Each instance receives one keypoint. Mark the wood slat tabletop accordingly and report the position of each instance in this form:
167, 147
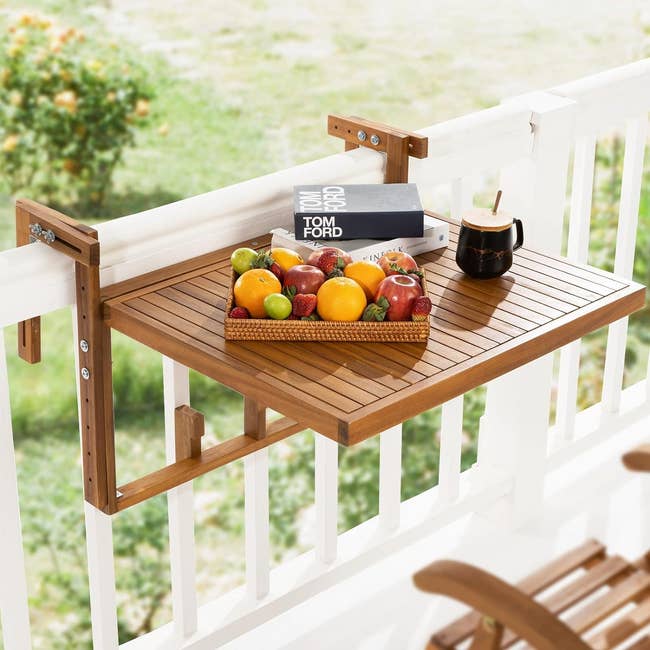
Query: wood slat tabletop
480, 329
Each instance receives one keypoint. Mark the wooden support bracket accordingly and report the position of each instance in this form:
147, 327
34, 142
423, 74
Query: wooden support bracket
190, 428
36, 222
398, 145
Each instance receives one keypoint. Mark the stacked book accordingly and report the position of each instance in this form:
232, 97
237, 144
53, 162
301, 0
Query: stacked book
365, 221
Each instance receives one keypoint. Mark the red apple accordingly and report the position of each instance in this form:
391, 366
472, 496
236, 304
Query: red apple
315, 256
401, 292
393, 261
305, 278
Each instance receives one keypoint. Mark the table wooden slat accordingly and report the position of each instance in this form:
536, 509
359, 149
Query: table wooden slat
351, 391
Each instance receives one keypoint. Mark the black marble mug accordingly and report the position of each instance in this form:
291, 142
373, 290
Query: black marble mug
487, 253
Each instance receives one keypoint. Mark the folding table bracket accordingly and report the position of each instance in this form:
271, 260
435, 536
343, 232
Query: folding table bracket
398, 145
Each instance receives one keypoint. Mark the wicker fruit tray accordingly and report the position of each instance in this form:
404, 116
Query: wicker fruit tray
266, 329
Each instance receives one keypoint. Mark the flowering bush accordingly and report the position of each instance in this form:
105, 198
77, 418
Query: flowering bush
65, 114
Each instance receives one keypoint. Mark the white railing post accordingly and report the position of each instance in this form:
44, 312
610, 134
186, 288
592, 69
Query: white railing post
451, 445
101, 578
256, 498
390, 477
180, 509
99, 551
577, 251
326, 491
451, 424
14, 607
635, 139
647, 381
514, 429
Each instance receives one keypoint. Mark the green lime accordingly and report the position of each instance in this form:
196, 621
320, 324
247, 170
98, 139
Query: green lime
277, 306
242, 259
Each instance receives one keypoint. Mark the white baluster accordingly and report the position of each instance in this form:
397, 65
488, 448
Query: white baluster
514, 429
635, 139
99, 551
256, 492
647, 380
390, 477
451, 425
451, 441
14, 609
180, 509
326, 481
577, 251
101, 578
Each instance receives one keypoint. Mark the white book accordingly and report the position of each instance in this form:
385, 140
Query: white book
436, 235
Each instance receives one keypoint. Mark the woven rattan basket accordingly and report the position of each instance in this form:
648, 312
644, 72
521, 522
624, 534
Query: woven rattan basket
266, 329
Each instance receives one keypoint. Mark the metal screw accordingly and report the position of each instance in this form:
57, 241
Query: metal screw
85, 373
49, 236
374, 139
83, 344
361, 135
35, 229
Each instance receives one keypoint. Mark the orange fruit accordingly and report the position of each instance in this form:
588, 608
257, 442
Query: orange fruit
252, 287
341, 299
367, 274
286, 258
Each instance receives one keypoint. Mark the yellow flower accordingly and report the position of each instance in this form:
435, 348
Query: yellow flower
27, 20
41, 99
19, 37
5, 73
110, 96
46, 76
81, 37
55, 45
142, 107
163, 129
45, 23
10, 143
16, 98
66, 75
13, 50
66, 99
94, 65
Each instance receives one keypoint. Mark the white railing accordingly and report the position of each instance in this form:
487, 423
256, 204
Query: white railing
528, 141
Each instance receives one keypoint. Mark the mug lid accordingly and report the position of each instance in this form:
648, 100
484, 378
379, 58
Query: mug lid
485, 219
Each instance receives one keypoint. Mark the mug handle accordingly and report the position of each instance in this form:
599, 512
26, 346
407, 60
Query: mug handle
520, 234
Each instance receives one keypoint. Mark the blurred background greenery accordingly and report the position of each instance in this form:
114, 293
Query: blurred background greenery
149, 102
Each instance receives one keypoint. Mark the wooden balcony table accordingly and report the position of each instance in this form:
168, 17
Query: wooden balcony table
480, 329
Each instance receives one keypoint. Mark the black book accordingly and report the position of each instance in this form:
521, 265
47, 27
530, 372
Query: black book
334, 212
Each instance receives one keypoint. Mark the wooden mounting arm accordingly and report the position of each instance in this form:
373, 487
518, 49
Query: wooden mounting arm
638, 460
506, 605
398, 145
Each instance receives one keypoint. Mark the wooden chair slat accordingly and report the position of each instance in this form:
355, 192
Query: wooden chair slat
623, 628
586, 553
624, 592
578, 589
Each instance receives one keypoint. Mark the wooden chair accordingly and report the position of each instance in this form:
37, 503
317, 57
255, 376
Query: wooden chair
530, 611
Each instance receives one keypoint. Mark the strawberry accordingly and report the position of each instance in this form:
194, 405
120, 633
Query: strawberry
239, 312
376, 311
331, 264
304, 304
277, 271
421, 308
